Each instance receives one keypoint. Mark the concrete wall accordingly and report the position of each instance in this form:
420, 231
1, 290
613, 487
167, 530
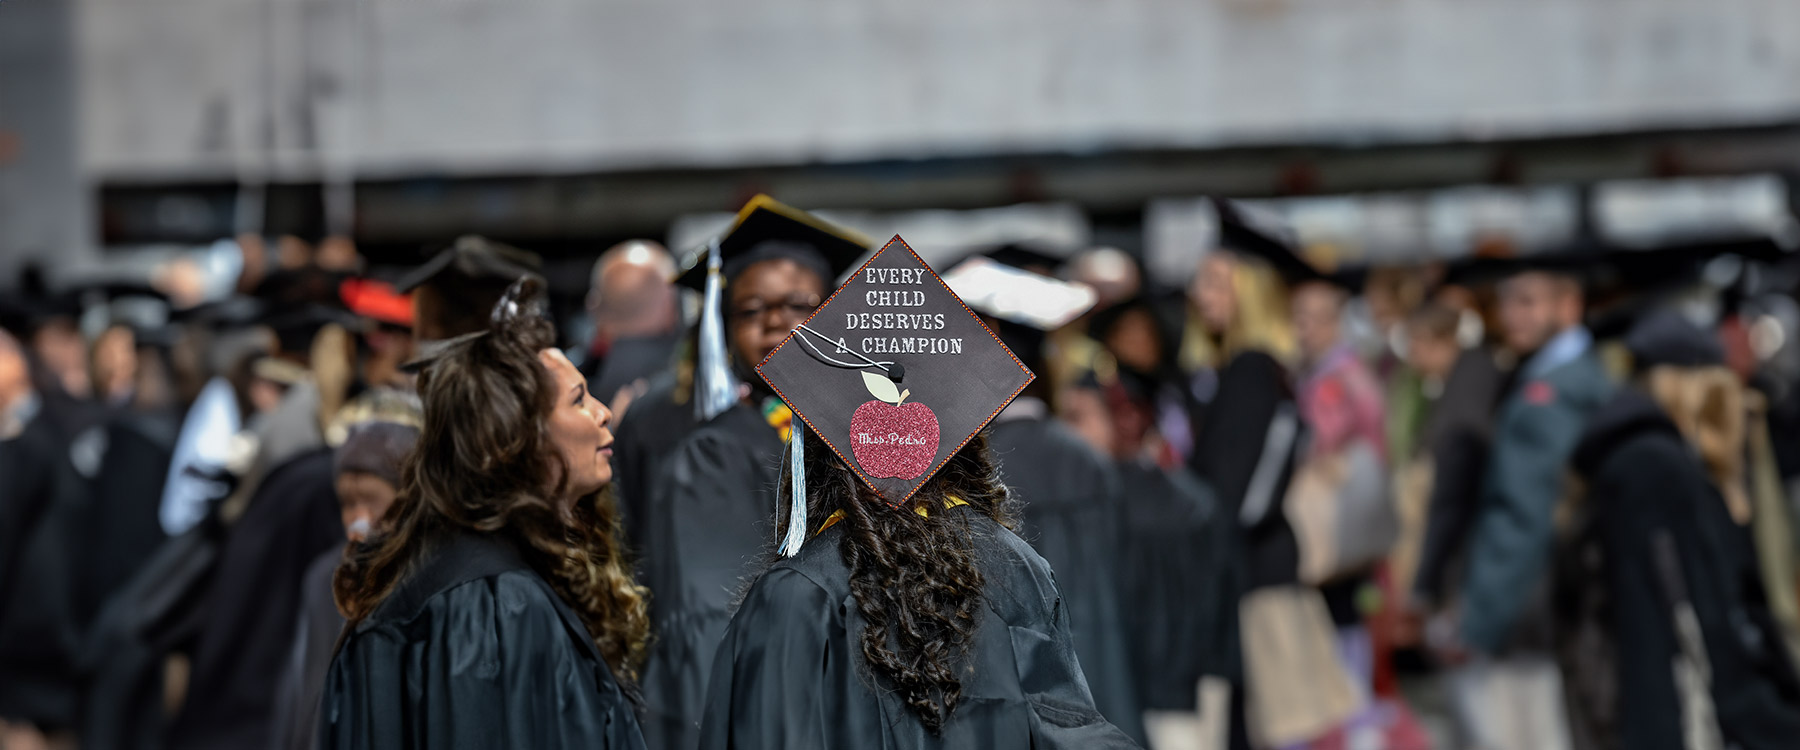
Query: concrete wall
301, 88
44, 208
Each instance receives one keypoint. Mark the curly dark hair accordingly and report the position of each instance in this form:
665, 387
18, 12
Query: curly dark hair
915, 578
480, 464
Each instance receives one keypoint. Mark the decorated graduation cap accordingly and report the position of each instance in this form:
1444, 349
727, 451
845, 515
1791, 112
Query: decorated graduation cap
895, 374
764, 229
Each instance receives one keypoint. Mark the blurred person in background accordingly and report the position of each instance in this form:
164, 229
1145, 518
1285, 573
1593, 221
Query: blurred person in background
707, 519
1348, 510
1115, 277
1070, 500
636, 311
1246, 442
1174, 569
493, 608
367, 467
281, 515
1440, 479
1667, 638
1508, 691
42, 505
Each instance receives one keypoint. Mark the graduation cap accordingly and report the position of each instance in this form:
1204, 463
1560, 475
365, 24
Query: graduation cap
453, 292
1248, 234
895, 374
33, 305
1024, 305
377, 301
473, 257
764, 229
298, 302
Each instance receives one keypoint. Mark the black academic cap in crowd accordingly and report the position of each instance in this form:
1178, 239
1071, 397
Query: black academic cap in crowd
1025, 305
1037, 256
1664, 336
298, 302
895, 373
474, 259
132, 302
765, 229
1619, 268
33, 304
1246, 233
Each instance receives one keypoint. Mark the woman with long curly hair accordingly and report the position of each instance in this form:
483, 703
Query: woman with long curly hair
913, 616
494, 609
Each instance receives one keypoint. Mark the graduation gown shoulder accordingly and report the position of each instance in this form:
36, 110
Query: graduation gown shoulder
475, 650
790, 672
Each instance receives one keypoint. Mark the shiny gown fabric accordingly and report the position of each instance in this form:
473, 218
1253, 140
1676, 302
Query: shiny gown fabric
475, 650
790, 673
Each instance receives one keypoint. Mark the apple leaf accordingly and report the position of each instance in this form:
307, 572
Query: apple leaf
881, 388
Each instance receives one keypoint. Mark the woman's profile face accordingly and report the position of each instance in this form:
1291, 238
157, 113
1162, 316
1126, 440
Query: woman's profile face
577, 427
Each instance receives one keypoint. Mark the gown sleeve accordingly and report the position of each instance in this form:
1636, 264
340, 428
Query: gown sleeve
769, 680
488, 664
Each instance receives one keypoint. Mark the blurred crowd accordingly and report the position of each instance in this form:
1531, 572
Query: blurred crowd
1549, 493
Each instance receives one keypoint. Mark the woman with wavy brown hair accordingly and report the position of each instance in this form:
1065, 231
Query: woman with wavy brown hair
494, 610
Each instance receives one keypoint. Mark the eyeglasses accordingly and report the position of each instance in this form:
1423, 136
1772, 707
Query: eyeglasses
795, 307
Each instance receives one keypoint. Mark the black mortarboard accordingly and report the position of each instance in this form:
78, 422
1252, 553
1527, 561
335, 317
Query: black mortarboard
1029, 255
1618, 267
1245, 233
474, 259
766, 228
894, 373
298, 302
1666, 337
32, 305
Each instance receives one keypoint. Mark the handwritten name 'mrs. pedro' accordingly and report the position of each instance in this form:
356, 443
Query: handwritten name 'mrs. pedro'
892, 438
896, 294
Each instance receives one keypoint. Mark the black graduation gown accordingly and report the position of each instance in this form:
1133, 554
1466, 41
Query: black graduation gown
712, 522
630, 360
790, 674
42, 504
124, 522
1252, 387
252, 604
645, 438
297, 696
1070, 515
1665, 534
1175, 570
474, 650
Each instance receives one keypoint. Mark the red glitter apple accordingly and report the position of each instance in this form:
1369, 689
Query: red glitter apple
892, 439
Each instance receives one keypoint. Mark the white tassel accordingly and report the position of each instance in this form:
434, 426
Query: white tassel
715, 388
796, 530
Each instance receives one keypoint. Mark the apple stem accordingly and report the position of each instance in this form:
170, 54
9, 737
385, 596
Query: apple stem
903, 395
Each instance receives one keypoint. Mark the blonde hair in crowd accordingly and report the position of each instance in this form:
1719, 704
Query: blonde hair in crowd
1262, 321
1708, 405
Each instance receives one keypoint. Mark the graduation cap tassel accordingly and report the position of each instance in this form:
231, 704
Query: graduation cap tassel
715, 390
796, 530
